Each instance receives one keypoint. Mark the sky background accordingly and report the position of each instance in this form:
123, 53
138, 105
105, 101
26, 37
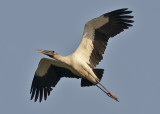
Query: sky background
131, 60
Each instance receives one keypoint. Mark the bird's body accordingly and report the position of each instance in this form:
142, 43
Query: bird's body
75, 64
80, 68
81, 63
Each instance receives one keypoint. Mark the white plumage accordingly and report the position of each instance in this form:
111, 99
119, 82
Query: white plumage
81, 63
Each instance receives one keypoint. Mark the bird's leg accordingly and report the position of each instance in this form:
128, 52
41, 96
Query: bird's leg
105, 90
109, 93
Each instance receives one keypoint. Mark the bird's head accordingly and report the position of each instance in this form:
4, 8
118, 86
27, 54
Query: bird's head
46, 52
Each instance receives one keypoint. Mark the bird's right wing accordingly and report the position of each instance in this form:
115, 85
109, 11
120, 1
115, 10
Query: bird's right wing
47, 76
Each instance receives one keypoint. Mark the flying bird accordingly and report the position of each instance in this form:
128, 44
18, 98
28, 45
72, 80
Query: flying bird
82, 63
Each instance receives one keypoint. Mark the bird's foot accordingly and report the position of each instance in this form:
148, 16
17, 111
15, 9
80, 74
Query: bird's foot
112, 96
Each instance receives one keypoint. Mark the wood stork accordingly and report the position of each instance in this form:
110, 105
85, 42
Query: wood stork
81, 64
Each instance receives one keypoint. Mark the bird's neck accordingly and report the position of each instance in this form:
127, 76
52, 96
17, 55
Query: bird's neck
60, 58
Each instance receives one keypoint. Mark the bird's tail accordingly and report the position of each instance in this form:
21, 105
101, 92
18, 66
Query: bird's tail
98, 73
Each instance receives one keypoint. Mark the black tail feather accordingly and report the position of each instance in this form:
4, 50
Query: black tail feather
98, 73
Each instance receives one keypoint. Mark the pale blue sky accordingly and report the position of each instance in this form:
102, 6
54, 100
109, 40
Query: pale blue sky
131, 60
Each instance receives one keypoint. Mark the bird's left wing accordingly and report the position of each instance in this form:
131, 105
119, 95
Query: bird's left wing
97, 33
47, 76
